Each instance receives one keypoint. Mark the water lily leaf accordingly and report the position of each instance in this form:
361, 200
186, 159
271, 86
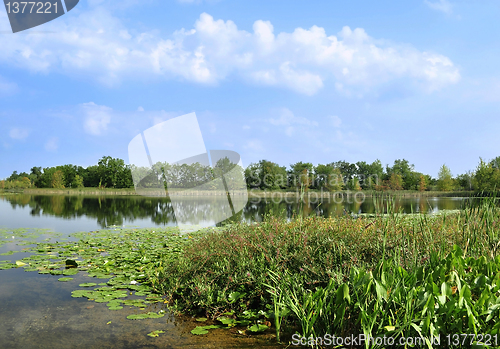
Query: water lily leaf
203, 329
79, 293
150, 315
227, 321
70, 272
7, 266
258, 328
88, 284
137, 316
8, 253
155, 333
64, 279
20, 264
118, 307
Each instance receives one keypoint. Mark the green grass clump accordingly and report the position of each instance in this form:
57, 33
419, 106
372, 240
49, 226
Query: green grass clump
388, 274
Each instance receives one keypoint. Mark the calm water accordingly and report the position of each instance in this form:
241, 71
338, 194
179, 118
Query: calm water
37, 311
67, 214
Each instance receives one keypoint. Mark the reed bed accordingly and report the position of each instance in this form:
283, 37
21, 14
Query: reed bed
394, 275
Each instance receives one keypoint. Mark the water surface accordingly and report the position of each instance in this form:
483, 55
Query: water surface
37, 311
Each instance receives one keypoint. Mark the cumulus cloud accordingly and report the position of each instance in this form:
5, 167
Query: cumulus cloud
96, 118
289, 121
19, 133
440, 5
97, 45
254, 145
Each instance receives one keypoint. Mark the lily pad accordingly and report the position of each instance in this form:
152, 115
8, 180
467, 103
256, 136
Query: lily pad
203, 329
64, 279
70, 272
258, 328
88, 284
155, 333
149, 315
118, 307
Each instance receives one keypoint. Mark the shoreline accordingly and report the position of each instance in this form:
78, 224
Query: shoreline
251, 193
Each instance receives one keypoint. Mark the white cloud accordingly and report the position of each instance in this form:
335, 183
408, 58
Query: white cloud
335, 121
140, 109
52, 144
287, 119
96, 45
440, 5
19, 133
97, 118
254, 144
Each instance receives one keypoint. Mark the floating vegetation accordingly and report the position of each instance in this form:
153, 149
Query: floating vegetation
122, 258
203, 329
155, 333
23, 236
148, 315
64, 279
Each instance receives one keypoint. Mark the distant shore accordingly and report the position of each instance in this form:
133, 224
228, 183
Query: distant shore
251, 193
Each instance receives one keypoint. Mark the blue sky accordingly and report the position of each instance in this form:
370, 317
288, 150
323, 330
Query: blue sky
286, 81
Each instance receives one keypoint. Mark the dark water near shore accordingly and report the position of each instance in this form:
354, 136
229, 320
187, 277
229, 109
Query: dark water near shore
68, 214
37, 311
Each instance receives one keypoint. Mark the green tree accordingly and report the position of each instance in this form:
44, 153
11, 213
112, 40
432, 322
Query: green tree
395, 181
335, 180
34, 176
445, 179
347, 169
13, 177
77, 182
406, 171
273, 176
370, 175
422, 184
487, 177
57, 180
321, 175
301, 175
266, 175
464, 181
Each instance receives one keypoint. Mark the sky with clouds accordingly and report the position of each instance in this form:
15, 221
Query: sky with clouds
286, 81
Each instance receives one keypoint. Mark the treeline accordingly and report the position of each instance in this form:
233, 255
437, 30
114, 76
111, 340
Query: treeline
266, 175
342, 175
108, 173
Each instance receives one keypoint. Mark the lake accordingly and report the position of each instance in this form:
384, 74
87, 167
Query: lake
38, 311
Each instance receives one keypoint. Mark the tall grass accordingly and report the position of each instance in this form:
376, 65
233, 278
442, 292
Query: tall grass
392, 274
